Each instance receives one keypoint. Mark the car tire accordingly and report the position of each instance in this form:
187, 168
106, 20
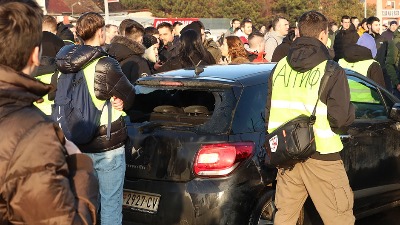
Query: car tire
264, 211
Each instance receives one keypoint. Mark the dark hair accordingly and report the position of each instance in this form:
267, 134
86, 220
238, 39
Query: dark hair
165, 24
372, 19
177, 23
20, 33
133, 30
50, 21
353, 18
88, 24
190, 45
150, 31
200, 24
312, 23
243, 23
332, 23
122, 26
276, 21
345, 17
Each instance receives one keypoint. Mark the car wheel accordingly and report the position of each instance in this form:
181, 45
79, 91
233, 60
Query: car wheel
264, 212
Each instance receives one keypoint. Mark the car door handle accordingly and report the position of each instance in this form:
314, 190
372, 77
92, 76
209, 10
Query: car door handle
345, 136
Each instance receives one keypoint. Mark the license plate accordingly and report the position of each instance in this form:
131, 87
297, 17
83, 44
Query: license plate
141, 201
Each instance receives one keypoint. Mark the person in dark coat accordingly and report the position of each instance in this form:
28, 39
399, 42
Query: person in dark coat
344, 38
65, 34
129, 55
191, 53
283, 49
151, 52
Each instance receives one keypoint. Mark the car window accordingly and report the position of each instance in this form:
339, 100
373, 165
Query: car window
366, 100
196, 109
250, 113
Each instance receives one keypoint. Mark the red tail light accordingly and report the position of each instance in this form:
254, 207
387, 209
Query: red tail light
221, 159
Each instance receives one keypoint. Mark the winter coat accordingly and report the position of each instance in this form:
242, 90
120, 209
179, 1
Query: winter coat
51, 44
356, 53
39, 184
109, 81
382, 47
168, 51
343, 39
129, 55
65, 34
178, 63
393, 59
282, 50
213, 48
272, 40
306, 53
387, 35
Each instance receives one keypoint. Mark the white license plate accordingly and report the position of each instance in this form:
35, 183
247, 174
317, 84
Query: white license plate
141, 201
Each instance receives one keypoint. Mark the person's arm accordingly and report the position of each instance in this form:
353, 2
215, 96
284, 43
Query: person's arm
111, 81
375, 73
46, 185
336, 96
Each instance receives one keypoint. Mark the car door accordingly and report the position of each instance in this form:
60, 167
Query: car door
372, 147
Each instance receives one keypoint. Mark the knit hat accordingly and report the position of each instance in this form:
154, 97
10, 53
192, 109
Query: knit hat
149, 40
368, 41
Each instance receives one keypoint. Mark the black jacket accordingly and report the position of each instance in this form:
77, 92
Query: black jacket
343, 39
178, 63
129, 54
109, 81
51, 44
65, 34
306, 53
355, 53
281, 50
168, 51
381, 46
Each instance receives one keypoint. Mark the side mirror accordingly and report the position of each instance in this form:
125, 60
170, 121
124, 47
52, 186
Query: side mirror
395, 112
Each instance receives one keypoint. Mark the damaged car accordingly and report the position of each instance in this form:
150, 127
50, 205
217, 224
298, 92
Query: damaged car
195, 154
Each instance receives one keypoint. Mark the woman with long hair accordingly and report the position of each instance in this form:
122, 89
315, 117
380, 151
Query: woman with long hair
191, 53
233, 51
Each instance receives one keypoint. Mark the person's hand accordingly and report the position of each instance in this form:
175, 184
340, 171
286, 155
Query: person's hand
71, 147
117, 103
158, 65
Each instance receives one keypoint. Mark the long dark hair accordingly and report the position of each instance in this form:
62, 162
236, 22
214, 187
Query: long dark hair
191, 46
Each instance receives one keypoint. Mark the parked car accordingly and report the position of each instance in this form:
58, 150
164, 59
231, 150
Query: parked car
196, 156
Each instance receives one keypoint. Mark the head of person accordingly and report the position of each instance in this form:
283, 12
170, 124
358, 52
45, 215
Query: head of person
314, 24
374, 25
233, 47
280, 25
235, 23
256, 42
165, 30
197, 26
393, 26
369, 42
363, 24
21, 35
151, 44
177, 27
49, 24
354, 20
333, 26
246, 26
111, 31
153, 32
134, 31
122, 26
191, 44
345, 22
90, 27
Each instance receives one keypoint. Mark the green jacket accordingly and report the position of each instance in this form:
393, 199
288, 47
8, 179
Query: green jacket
393, 58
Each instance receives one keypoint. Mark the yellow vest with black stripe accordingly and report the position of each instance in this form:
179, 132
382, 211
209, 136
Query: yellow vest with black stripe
89, 72
45, 106
359, 92
360, 67
295, 93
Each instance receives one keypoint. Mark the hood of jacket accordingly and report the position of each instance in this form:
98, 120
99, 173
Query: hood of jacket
72, 58
306, 52
355, 53
18, 90
122, 48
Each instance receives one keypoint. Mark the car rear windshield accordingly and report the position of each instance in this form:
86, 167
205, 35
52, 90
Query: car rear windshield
200, 110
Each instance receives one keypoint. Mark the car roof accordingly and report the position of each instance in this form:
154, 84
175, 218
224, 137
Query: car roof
242, 73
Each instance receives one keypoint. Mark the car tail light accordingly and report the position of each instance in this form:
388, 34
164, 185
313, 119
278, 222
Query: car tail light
221, 159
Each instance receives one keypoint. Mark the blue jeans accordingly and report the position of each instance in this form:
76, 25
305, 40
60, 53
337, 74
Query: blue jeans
110, 170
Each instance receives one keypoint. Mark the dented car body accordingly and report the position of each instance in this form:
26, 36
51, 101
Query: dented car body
195, 153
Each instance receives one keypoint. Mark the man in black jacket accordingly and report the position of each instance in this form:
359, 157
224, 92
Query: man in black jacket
347, 35
108, 81
128, 51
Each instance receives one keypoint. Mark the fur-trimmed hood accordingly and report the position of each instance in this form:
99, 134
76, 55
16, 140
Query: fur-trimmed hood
122, 48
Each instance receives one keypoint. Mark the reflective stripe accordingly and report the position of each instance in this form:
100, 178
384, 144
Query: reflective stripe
324, 133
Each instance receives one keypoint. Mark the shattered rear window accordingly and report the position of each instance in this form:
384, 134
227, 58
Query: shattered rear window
196, 109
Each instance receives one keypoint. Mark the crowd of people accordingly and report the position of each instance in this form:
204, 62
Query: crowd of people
44, 177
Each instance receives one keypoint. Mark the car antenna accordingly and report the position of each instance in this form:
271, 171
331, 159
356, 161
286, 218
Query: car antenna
197, 69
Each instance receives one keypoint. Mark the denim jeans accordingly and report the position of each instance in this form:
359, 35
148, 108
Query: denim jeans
110, 170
